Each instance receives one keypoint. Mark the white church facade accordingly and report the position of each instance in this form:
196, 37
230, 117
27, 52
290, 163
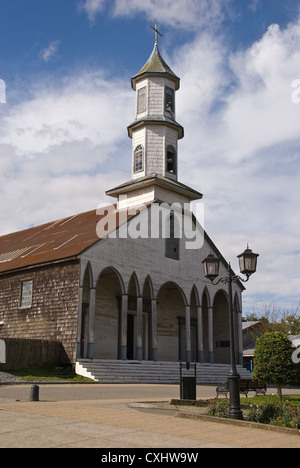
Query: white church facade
155, 304
126, 282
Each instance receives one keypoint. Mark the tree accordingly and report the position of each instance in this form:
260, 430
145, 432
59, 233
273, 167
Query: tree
274, 317
273, 360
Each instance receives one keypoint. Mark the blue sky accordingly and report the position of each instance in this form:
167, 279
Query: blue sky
67, 101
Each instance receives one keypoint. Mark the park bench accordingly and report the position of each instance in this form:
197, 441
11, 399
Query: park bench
246, 386
260, 388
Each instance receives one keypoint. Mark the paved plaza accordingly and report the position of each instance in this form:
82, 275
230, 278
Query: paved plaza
104, 416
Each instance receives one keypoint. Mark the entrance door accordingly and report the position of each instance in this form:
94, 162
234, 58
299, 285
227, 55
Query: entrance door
132, 337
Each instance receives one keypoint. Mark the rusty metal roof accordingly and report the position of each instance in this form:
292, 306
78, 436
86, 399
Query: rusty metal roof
54, 241
66, 239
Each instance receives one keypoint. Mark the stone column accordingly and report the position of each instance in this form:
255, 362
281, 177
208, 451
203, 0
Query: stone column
139, 329
188, 333
200, 357
124, 313
154, 329
79, 323
90, 350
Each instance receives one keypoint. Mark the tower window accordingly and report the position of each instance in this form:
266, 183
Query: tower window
141, 105
139, 159
171, 160
170, 100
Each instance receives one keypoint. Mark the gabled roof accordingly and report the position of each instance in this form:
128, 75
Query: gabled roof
66, 239
248, 325
54, 241
157, 66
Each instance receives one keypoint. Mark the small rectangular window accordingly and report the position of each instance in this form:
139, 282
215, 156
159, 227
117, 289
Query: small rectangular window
172, 248
26, 294
141, 107
173, 242
223, 344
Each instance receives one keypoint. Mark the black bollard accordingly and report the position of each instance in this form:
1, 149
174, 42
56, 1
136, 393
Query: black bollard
35, 393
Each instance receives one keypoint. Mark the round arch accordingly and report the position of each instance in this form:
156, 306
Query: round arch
206, 296
237, 304
170, 285
148, 289
118, 275
221, 329
109, 291
195, 296
87, 269
171, 312
134, 286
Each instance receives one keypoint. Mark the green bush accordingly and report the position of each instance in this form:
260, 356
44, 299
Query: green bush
273, 360
276, 413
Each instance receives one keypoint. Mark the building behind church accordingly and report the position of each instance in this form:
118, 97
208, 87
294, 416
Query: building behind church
108, 285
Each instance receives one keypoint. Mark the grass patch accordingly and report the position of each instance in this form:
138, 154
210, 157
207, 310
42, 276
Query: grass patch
264, 400
44, 374
263, 409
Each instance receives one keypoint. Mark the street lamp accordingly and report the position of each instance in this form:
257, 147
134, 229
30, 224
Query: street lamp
248, 264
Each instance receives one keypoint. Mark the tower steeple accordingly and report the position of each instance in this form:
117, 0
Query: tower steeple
155, 134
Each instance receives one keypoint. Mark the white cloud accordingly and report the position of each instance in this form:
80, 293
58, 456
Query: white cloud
92, 8
59, 150
246, 98
2, 92
260, 111
84, 108
185, 14
50, 52
254, 5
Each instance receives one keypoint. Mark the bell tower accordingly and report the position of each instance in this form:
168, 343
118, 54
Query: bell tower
155, 134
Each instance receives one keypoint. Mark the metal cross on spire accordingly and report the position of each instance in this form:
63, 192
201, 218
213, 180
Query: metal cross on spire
156, 32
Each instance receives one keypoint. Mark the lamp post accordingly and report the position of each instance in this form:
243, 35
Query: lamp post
248, 264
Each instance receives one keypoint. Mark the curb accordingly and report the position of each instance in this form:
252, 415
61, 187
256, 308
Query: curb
248, 424
46, 382
206, 418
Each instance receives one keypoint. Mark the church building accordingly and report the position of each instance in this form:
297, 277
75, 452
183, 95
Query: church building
125, 283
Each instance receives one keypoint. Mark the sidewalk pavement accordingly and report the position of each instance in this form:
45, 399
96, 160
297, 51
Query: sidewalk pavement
100, 416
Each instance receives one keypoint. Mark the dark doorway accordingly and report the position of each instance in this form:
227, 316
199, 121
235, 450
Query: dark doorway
84, 331
130, 337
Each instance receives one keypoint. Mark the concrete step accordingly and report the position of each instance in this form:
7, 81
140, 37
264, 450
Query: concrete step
140, 372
